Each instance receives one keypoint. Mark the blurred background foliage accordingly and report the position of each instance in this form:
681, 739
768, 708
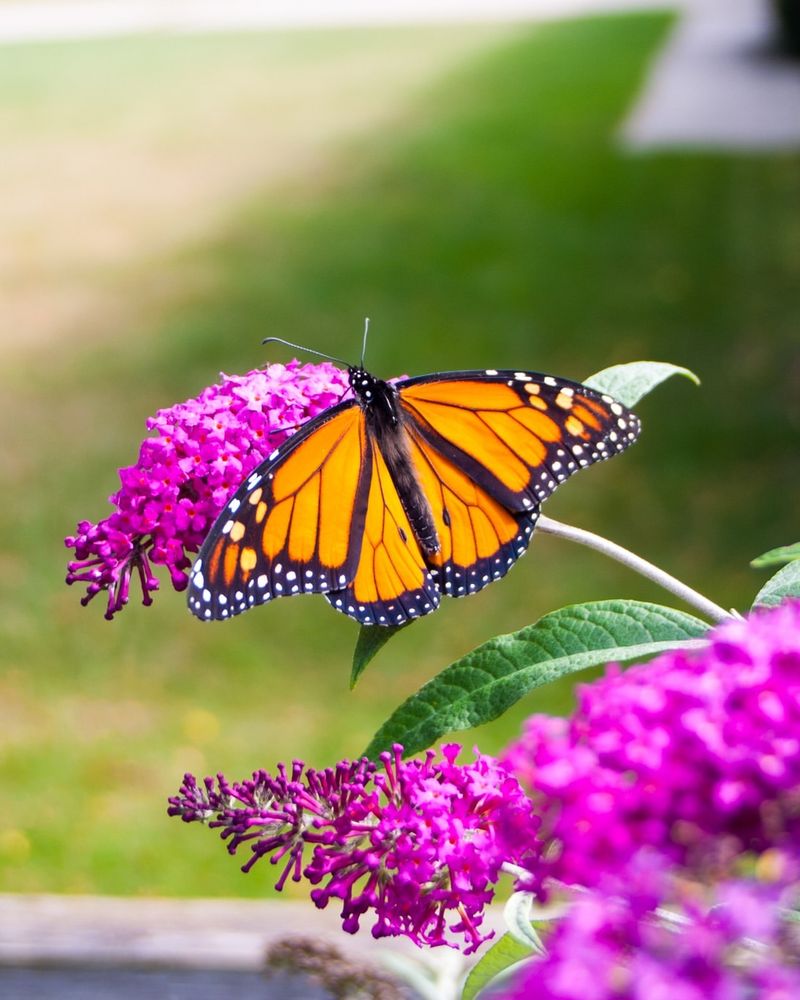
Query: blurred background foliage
463, 188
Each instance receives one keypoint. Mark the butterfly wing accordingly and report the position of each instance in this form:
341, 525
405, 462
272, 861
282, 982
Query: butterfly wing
392, 582
488, 448
517, 435
295, 524
479, 538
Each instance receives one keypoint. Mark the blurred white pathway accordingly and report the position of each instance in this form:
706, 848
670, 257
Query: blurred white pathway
720, 84
35, 20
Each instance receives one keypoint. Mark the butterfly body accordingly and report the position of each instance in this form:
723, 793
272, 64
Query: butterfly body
410, 490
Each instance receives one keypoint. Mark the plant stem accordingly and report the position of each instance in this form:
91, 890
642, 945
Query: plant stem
518, 872
634, 562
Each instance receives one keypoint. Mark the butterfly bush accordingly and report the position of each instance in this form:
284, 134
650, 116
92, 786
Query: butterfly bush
696, 754
420, 844
184, 475
652, 936
694, 757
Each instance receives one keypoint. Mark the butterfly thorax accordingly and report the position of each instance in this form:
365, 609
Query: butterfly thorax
384, 417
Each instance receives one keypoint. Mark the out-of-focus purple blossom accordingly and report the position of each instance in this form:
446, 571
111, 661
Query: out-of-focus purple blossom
183, 477
419, 843
694, 754
650, 936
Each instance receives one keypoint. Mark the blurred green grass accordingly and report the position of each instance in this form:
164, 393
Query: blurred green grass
497, 224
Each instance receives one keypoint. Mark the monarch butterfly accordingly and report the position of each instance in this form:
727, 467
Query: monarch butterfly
427, 486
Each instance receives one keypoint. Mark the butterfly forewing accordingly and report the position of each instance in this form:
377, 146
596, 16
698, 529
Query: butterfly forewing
518, 435
294, 525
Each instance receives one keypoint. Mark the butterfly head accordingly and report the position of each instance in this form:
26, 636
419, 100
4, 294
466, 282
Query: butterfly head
365, 386
376, 397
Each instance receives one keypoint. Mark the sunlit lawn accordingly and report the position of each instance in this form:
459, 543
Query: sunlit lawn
490, 220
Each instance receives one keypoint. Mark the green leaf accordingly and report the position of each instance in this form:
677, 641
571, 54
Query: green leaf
484, 683
371, 639
505, 952
629, 383
777, 557
785, 583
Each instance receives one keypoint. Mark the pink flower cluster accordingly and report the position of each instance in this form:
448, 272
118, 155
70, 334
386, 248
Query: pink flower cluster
203, 449
651, 936
420, 843
692, 754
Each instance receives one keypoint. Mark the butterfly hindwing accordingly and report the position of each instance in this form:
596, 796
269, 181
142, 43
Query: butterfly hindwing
480, 539
516, 434
294, 525
392, 582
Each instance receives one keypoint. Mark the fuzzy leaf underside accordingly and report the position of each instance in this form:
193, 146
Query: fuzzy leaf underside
631, 382
517, 915
785, 583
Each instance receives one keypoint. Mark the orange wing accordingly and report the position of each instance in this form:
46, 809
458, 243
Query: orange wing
294, 526
392, 583
479, 538
517, 435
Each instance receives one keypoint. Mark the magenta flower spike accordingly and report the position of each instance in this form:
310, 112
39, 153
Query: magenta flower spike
418, 844
184, 475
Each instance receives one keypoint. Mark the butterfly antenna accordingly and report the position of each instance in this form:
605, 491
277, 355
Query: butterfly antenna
364, 342
308, 350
